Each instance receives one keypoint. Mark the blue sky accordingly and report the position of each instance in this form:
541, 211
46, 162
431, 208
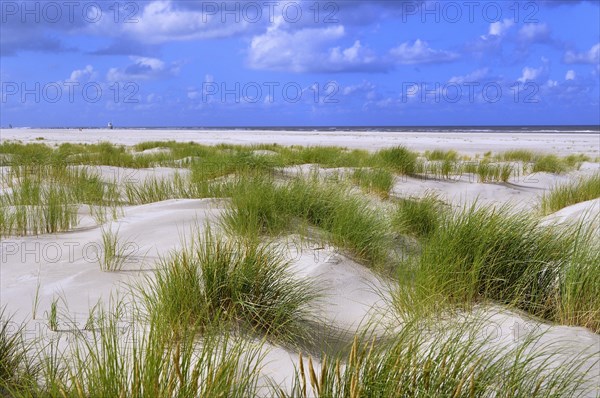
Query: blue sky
295, 63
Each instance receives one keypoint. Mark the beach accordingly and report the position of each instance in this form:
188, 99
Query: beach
62, 273
468, 142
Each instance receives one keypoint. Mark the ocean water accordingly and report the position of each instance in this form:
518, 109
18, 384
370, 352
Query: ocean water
581, 129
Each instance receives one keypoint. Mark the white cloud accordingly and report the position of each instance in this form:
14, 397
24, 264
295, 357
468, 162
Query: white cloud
419, 52
570, 75
308, 49
534, 33
83, 75
142, 68
530, 74
589, 57
500, 28
162, 21
474, 76
365, 86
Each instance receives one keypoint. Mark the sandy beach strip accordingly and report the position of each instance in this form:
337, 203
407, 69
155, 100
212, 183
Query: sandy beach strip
467, 142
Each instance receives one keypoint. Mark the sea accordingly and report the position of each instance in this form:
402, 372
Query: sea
549, 129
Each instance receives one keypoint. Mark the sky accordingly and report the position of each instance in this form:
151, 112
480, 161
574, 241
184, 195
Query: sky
182, 63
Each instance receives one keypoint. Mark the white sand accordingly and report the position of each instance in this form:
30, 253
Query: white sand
64, 267
468, 143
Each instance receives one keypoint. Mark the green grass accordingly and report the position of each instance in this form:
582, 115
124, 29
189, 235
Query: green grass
17, 369
444, 361
480, 254
114, 252
418, 218
540, 162
518, 155
247, 286
142, 361
45, 199
399, 159
494, 172
378, 181
550, 164
442, 155
559, 197
262, 206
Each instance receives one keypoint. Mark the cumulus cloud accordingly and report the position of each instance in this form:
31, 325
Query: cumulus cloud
419, 52
529, 74
143, 68
534, 33
570, 75
475, 76
164, 21
83, 75
500, 28
309, 50
589, 57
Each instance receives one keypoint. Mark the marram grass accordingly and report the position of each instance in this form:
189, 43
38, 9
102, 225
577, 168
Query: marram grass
561, 196
245, 285
479, 254
450, 361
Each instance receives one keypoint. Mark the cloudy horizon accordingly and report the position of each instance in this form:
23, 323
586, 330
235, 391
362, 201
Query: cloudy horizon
299, 63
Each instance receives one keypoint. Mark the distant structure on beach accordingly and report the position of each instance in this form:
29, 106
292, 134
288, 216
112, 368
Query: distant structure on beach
10, 126
110, 126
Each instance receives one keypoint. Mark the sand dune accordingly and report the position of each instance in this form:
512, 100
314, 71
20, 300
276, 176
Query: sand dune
37, 270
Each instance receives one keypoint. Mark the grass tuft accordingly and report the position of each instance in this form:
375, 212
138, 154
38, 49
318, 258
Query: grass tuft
569, 194
246, 285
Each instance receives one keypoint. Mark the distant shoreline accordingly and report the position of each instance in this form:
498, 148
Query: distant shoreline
589, 129
467, 142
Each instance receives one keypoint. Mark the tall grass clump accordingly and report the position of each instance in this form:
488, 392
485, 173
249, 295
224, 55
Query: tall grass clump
17, 370
494, 172
351, 222
378, 181
146, 361
246, 285
442, 155
449, 361
550, 164
559, 197
418, 217
399, 159
262, 206
518, 155
492, 254
579, 282
113, 252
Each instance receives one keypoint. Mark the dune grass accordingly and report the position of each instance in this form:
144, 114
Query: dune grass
480, 254
378, 181
493, 172
245, 285
559, 197
121, 358
518, 155
17, 368
399, 159
114, 252
451, 361
418, 217
439, 154
45, 199
549, 164
262, 206
203, 297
